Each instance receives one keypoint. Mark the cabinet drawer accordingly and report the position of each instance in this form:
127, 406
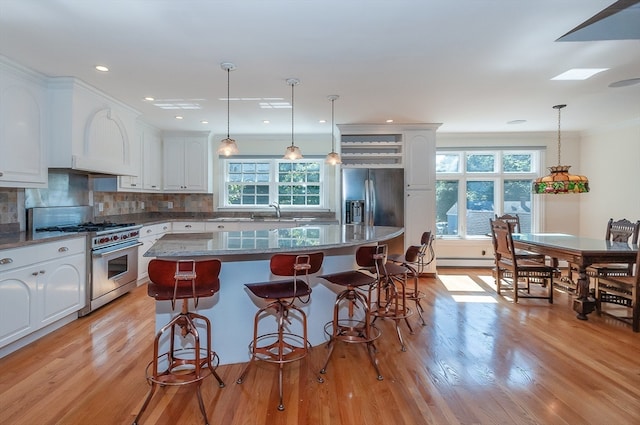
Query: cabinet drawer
25, 256
62, 248
154, 229
188, 226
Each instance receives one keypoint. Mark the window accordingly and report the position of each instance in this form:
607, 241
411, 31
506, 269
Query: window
474, 185
258, 182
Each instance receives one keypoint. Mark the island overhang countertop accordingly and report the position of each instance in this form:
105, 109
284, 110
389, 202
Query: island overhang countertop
269, 241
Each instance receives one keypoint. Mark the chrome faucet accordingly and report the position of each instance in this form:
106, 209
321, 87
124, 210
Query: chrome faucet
276, 205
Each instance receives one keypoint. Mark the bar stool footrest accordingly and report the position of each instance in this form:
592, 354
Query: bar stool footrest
352, 331
182, 370
295, 348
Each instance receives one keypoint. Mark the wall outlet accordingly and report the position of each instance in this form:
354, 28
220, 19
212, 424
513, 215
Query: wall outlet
141, 205
100, 207
170, 205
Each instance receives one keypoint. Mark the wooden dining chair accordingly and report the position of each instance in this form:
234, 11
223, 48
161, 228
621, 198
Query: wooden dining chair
620, 231
514, 223
511, 267
623, 291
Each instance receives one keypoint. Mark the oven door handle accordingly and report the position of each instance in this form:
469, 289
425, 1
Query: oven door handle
107, 251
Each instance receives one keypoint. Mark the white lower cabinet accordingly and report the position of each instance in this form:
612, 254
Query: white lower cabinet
39, 285
419, 218
148, 236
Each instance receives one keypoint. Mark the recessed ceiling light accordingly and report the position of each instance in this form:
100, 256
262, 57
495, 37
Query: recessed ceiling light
516, 122
266, 122
322, 121
149, 99
579, 73
102, 68
624, 83
179, 117
204, 122
389, 121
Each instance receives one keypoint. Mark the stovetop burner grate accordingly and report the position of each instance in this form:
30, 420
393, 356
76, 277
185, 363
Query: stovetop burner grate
85, 227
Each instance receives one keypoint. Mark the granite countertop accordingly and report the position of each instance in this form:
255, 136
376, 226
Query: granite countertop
298, 239
11, 237
20, 239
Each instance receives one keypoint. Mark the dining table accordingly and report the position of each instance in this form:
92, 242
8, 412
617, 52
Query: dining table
580, 252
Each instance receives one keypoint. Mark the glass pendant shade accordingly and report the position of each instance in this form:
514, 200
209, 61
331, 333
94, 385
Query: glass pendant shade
559, 180
228, 146
333, 158
293, 152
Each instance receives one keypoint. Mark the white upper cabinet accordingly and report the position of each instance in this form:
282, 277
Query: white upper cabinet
91, 131
152, 160
420, 159
147, 154
23, 159
186, 162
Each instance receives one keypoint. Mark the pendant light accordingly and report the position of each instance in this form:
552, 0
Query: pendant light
333, 158
559, 180
228, 146
293, 152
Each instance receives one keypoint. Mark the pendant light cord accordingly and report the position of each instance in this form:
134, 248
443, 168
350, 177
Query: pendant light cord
292, 84
559, 108
333, 139
228, 99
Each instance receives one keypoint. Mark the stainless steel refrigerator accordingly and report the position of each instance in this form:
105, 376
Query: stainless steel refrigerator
373, 196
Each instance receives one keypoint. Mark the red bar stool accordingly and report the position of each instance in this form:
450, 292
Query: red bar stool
416, 259
390, 301
185, 362
282, 347
358, 287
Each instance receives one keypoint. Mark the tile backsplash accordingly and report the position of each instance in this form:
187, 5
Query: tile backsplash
118, 203
9, 205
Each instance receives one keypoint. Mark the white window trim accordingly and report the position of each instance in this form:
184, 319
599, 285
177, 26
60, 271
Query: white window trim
499, 177
273, 185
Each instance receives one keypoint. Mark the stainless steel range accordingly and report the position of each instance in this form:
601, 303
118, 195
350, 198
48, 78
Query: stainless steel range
112, 250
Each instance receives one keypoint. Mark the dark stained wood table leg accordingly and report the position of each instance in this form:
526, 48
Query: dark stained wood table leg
583, 304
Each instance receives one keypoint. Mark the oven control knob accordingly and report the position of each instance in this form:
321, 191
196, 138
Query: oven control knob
103, 240
124, 237
115, 237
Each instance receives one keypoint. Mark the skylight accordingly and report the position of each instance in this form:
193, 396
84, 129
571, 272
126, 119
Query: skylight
579, 73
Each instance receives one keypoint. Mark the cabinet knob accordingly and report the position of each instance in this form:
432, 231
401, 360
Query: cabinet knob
148, 230
220, 226
63, 249
35, 273
1, 174
6, 261
165, 228
188, 226
41, 271
153, 186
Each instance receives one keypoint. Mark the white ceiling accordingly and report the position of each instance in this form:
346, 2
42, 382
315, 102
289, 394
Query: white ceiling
472, 65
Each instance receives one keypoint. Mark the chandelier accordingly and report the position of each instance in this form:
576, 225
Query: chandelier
559, 180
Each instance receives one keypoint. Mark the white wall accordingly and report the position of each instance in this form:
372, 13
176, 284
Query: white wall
611, 160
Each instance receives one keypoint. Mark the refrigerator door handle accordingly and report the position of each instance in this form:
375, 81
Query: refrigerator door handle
370, 202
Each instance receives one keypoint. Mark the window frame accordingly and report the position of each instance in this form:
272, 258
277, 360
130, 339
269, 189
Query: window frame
273, 183
498, 176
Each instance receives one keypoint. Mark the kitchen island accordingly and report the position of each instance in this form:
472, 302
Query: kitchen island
245, 258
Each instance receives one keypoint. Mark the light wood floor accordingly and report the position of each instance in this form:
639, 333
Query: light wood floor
479, 360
